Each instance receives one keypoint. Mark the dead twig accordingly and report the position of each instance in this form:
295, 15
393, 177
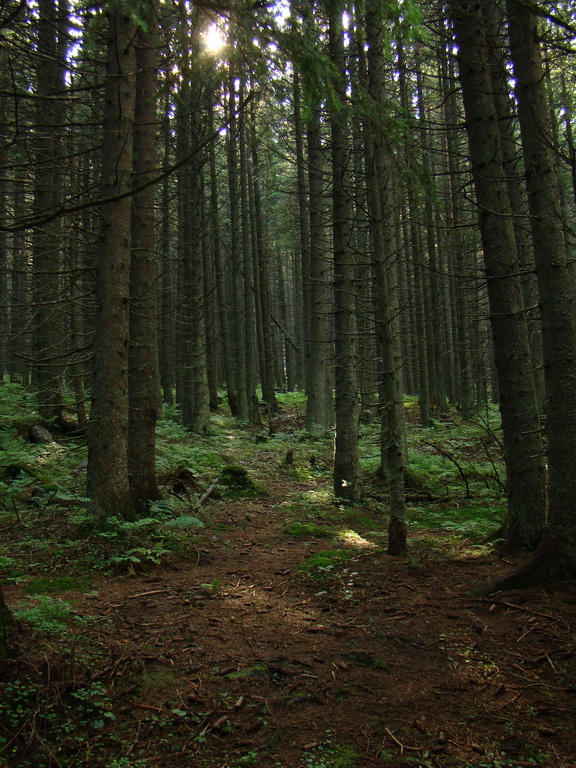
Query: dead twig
451, 458
399, 744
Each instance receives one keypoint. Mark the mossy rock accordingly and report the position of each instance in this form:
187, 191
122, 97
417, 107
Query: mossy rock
237, 483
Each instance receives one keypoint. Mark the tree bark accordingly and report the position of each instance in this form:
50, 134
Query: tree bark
143, 377
47, 297
556, 555
346, 473
108, 485
319, 402
523, 448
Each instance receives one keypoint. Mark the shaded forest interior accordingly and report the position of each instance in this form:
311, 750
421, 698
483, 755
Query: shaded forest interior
250, 619
321, 251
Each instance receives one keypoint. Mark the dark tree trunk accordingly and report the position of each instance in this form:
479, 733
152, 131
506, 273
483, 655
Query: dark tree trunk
319, 401
379, 207
108, 486
222, 283
143, 379
346, 475
166, 304
523, 448
47, 297
238, 329
556, 556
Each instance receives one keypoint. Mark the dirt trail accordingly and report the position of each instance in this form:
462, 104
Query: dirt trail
233, 658
391, 661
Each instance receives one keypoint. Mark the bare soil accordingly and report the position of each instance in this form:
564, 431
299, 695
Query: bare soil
236, 658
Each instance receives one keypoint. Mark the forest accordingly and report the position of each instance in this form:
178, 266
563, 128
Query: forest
288, 383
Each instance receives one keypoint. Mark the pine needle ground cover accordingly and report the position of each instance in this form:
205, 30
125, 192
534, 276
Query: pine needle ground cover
274, 630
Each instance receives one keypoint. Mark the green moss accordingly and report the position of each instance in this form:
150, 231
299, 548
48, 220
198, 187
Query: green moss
324, 565
308, 530
60, 584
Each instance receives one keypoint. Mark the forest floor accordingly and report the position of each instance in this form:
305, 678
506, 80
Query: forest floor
282, 635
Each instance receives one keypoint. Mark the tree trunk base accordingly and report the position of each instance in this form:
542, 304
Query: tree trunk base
549, 563
397, 538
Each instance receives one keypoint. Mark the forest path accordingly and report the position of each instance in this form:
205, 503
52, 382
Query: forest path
245, 661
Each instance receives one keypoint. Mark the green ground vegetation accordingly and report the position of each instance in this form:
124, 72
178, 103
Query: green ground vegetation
49, 549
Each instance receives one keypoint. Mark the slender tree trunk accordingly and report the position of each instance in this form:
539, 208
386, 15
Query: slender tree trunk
347, 481
108, 486
456, 248
166, 304
143, 377
262, 280
222, 294
248, 255
47, 238
379, 206
304, 314
238, 336
19, 315
319, 404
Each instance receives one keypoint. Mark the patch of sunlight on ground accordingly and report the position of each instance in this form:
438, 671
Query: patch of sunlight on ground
352, 539
51, 452
319, 494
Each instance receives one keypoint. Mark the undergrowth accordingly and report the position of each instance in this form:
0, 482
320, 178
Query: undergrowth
51, 552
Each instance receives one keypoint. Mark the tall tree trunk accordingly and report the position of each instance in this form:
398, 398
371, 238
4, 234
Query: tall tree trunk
303, 313
248, 255
19, 314
493, 14
523, 449
556, 556
222, 294
346, 474
238, 336
379, 205
108, 486
456, 246
47, 237
143, 378
166, 305
319, 401
262, 277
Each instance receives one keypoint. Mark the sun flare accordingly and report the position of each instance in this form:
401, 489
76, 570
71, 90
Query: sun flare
213, 39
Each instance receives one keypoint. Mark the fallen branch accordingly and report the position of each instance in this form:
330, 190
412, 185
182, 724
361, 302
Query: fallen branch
206, 495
